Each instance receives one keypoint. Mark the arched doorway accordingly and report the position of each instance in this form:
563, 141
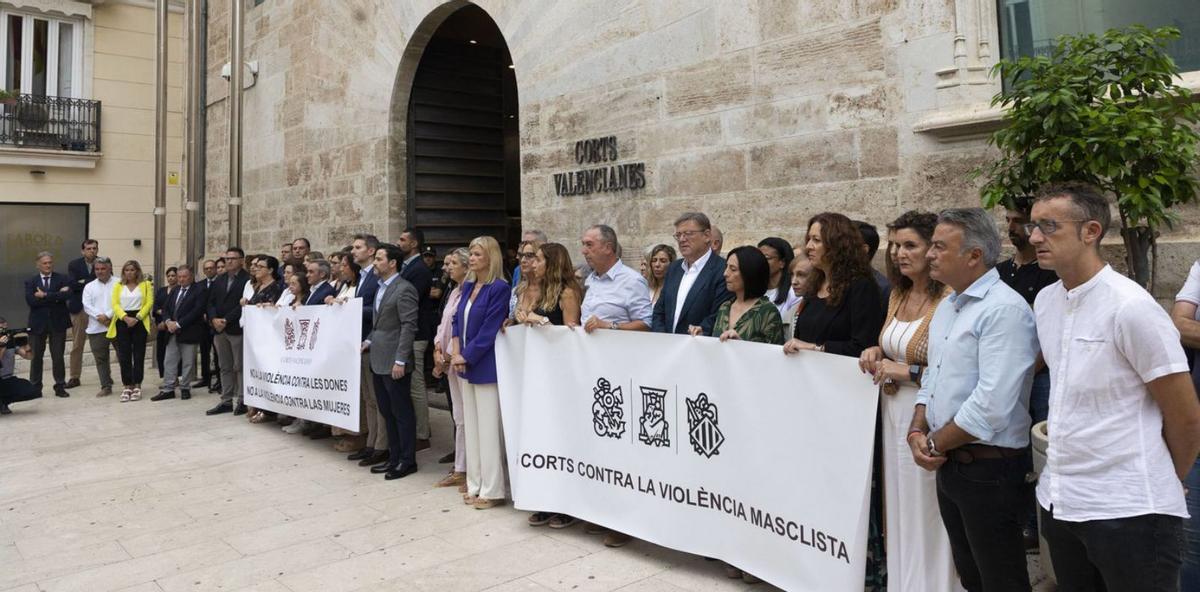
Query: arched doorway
462, 134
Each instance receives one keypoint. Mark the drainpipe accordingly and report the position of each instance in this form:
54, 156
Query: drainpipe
194, 132
235, 124
160, 143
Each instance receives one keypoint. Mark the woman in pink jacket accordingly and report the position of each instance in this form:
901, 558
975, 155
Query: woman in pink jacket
456, 269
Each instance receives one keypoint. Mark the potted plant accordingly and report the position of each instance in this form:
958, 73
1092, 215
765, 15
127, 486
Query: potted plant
1104, 109
7, 97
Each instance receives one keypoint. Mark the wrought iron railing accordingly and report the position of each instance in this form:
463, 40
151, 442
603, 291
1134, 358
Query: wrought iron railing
57, 123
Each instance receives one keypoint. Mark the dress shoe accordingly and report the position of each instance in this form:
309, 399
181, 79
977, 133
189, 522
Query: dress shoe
221, 407
320, 433
384, 467
310, 428
215, 388
104, 391
240, 410
4, 410
400, 472
59, 391
361, 454
74, 382
376, 457
163, 396
449, 458
200, 383
616, 539
422, 444
185, 395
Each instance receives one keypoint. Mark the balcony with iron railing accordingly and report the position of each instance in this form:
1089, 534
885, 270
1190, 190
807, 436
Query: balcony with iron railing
54, 123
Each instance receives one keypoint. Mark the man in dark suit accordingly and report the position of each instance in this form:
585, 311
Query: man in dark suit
207, 360
390, 346
694, 287
183, 317
414, 270
46, 294
318, 272
374, 450
80, 271
224, 316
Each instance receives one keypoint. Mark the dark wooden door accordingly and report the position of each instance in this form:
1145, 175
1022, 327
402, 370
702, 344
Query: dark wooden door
458, 127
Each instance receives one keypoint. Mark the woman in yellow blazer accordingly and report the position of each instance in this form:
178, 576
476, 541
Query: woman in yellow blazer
132, 301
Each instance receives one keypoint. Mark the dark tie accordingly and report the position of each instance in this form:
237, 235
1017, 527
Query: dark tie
179, 298
46, 283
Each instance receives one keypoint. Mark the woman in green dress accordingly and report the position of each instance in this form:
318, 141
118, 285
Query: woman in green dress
750, 316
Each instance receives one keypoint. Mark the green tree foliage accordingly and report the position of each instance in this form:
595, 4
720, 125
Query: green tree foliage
1104, 109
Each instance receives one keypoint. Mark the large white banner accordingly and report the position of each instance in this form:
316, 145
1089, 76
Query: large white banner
304, 362
728, 450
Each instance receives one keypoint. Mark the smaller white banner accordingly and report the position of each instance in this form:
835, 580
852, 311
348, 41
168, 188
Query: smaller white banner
304, 362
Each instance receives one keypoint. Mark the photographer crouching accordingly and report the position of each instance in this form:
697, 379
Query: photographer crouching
14, 343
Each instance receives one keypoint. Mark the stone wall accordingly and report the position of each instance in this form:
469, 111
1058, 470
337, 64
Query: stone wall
758, 112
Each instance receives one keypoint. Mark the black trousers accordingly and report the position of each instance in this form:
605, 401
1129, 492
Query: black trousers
1137, 554
984, 505
206, 347
17, 390
396, 407
58, 345
131, 351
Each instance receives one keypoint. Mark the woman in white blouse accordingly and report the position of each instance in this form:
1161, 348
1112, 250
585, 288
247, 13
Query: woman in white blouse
133, 303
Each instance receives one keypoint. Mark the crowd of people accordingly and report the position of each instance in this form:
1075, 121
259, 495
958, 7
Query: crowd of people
968, 351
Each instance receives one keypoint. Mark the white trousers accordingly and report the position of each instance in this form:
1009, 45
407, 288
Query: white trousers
460, 432
918, 549
485, 443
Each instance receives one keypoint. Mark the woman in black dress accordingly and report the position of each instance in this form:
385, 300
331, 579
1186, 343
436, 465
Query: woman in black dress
843, 309
558, 303
842, 313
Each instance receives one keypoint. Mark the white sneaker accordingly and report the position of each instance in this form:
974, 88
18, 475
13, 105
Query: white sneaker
296, 426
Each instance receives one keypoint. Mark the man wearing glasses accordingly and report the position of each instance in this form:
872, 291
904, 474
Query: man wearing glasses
694, 287
1124, 421
224, 315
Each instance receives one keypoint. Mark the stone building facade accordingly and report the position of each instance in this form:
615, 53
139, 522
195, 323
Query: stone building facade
758, 112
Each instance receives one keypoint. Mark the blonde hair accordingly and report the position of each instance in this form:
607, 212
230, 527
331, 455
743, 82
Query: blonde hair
495, 270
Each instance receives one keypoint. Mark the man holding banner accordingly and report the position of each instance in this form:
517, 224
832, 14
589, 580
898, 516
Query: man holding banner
971, 422
391, 351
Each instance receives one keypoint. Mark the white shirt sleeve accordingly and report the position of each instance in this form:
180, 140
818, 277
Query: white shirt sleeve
1190, 292
1148, 339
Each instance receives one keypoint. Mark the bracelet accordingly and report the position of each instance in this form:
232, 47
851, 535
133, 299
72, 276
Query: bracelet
908, 438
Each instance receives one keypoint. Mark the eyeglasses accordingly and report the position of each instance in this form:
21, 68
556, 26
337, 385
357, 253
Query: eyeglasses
1047, 227
686, 234
528, 255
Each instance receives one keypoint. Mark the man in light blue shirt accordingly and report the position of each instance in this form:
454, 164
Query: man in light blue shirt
617, 297
971, 422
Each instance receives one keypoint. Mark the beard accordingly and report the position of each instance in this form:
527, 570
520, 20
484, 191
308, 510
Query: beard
1019, 241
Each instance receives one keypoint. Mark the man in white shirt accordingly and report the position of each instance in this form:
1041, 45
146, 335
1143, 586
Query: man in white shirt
1124, 419
694, 287
97, 305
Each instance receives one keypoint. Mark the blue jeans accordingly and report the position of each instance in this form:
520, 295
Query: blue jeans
1190, 575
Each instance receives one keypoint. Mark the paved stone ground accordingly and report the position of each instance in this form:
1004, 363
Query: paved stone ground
100, 496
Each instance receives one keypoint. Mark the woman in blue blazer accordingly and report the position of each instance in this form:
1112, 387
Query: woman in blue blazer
481, 311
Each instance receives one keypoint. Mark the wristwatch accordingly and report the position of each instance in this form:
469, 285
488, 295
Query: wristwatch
614, 326
914, 374
933, 451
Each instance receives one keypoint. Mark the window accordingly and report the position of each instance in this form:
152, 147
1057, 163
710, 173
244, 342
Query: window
41, 55
1029, 27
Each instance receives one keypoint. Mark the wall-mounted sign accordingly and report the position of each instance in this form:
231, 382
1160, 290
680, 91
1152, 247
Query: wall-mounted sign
602, 179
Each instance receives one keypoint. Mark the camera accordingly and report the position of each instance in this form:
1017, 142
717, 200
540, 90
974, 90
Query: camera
14, 337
